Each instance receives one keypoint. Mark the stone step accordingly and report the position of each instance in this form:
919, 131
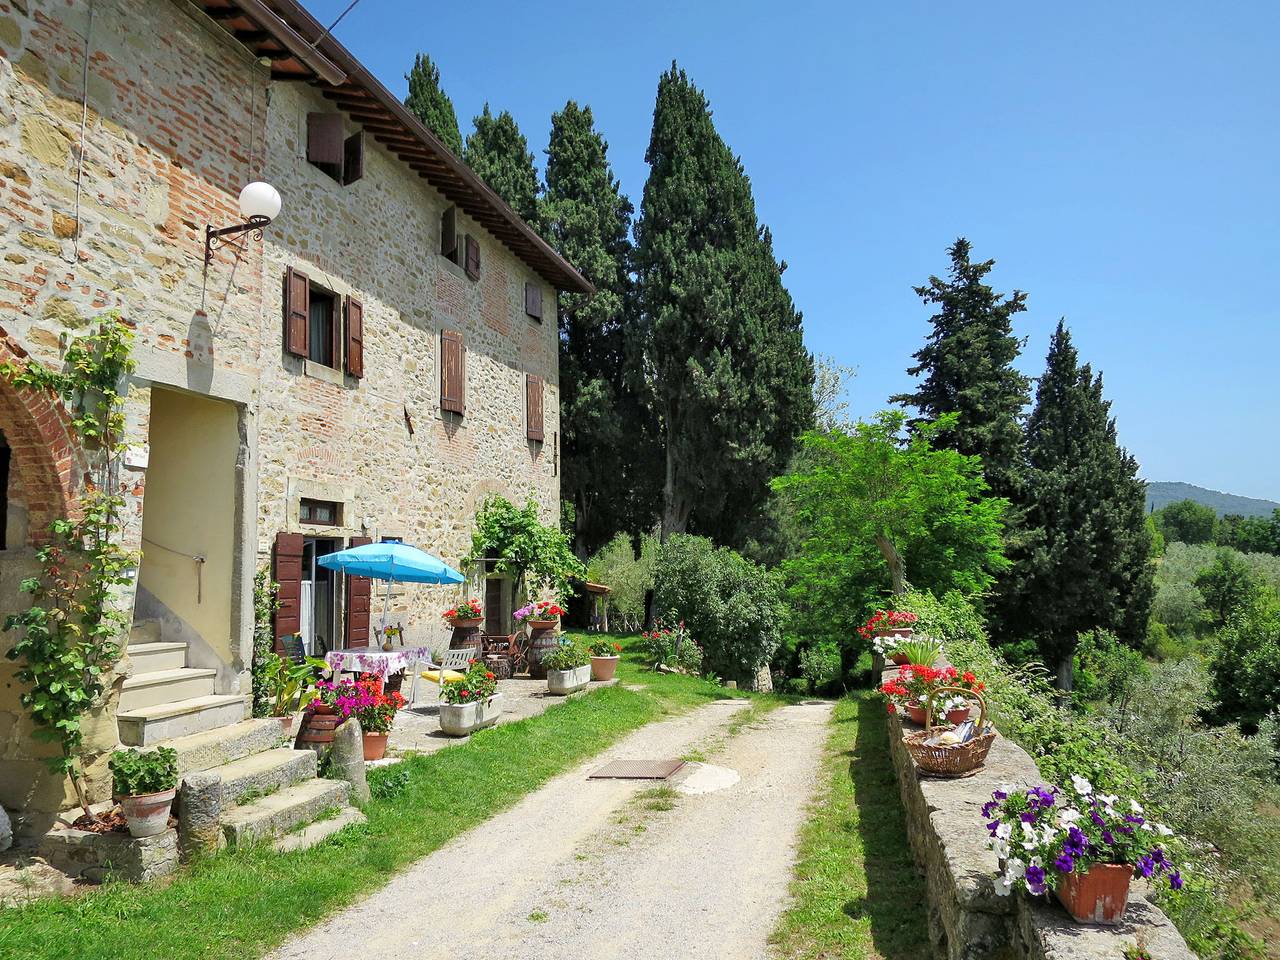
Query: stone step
154, 657
277, 814
145, 631
166, 686
225, 744
313, 833
146, 726
264, 773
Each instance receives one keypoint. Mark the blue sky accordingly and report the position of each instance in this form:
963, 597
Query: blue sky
1117, 160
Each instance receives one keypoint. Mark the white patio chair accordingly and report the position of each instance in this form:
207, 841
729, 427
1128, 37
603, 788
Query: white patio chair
453, 662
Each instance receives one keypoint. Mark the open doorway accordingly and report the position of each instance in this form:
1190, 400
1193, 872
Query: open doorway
319, 598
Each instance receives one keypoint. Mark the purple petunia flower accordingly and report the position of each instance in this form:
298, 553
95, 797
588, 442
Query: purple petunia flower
1097, 818
1109, 837
1146, 866
1064, 863
989, 807
991, 827
1076, 842
1035, 879
1027, 817
1175, 880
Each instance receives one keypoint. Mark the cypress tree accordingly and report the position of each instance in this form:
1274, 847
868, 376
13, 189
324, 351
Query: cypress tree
605, 433
1085, 561
967, 365
499, 153
431, 104
730, 380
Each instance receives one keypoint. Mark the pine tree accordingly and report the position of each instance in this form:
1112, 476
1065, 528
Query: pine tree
1085, 562
724, 357
499, 153
607, 442
431, 104
967, 364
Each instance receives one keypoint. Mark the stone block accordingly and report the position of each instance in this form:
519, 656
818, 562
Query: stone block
95, 856
347, 760
199, 813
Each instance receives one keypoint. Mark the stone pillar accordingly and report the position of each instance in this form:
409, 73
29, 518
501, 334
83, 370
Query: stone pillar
347, 759
199, 814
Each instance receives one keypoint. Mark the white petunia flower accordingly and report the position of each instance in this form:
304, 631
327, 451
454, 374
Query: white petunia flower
1004, 831
1137, 807
1083, 786
1068, 816
1163, 830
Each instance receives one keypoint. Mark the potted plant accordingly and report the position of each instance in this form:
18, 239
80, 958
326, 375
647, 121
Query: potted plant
376, 712
889, 623
288, 686
470, 703
540, 614
145, 785
568, 667
604, 658
467, 613
1083, 845
919, 650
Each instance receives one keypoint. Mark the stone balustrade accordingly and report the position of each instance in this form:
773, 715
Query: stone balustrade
968, 920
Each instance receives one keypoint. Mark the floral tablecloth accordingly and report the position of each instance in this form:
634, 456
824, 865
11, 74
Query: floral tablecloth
381, 663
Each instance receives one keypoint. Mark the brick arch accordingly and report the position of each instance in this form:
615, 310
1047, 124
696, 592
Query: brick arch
42, 454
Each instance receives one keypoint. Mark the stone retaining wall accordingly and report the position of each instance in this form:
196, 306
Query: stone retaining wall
967, 919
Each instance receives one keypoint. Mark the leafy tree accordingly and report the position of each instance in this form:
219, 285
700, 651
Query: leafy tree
500, 154
431, 104
725, 362
610, 467
1228, 586
1086, 561
1246, 668
967, 366
1250, 534
831, 381
1186, 521
533, 553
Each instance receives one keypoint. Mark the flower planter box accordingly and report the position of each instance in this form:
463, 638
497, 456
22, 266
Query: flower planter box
460, 719
1099, 895
562, 682
603, 668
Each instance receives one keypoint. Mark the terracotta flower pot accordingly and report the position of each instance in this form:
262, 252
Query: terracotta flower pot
322, 709
148, 813
465, 623
543, 624
286, 724
902, 633
958, 716
1098, 896
603, 668
901, 659
375, 745
916, 713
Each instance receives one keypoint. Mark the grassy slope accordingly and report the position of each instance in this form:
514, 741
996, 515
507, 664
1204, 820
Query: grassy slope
242, 903
857, 894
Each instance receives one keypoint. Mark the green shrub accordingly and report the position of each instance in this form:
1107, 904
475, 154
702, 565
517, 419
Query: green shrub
136, 772
570, 655
671, 647
731, 605
628, 578
1106, 668
1246, 668
820, 666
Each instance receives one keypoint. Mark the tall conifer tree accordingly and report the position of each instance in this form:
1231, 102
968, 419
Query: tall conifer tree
606, 440
1085, 561
730, 378
499, 153
967, 366
431, 104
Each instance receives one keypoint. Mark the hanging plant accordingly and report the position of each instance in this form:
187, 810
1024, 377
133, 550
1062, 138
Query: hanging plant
68, 640
536, 555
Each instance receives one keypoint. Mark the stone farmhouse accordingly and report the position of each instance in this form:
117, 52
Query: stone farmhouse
383, 358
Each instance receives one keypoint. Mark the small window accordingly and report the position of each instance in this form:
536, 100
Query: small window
323, 512
320, 340
450, 248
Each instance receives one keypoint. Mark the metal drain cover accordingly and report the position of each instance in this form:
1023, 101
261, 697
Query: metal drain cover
637, 770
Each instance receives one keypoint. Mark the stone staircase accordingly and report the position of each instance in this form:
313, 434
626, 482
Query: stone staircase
164, 698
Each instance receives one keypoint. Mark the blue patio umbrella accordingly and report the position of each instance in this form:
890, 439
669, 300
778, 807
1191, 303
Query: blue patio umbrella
391, 561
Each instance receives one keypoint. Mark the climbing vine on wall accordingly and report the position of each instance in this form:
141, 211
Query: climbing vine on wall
265, 604
68, 640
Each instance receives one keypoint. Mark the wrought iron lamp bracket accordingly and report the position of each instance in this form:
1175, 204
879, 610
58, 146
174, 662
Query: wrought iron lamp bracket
213, 239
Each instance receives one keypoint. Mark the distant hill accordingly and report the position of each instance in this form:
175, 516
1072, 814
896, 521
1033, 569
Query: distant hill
1161, 493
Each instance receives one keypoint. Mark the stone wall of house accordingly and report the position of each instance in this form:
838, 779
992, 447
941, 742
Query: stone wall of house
967, 919
169, 108
381, 445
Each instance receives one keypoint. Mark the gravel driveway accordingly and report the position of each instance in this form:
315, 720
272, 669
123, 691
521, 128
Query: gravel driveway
615, 869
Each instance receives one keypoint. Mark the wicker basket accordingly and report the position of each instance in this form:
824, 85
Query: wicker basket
950, 759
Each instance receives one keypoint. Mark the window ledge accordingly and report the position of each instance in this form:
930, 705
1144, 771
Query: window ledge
321, 372
447, 264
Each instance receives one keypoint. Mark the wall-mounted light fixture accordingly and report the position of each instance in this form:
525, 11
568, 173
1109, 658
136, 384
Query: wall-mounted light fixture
259, 205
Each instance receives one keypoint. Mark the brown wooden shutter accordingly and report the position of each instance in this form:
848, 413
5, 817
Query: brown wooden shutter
359, 594
473, 257
297, 312
533, 300
449, 234
533, 407
325, 147
453, 372
287, 572
353, 311
353, 158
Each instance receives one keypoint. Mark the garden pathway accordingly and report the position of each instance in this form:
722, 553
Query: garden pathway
602, 869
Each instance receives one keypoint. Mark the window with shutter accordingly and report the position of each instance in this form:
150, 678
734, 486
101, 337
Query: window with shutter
359, 593
297, 312
473, 257
449, 234
533, 407
287, 572
353, 158
325, 146
533, 300
354, 325
453, 379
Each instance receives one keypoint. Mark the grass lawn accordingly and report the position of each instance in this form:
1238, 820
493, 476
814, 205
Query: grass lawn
241, 903
856, 891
